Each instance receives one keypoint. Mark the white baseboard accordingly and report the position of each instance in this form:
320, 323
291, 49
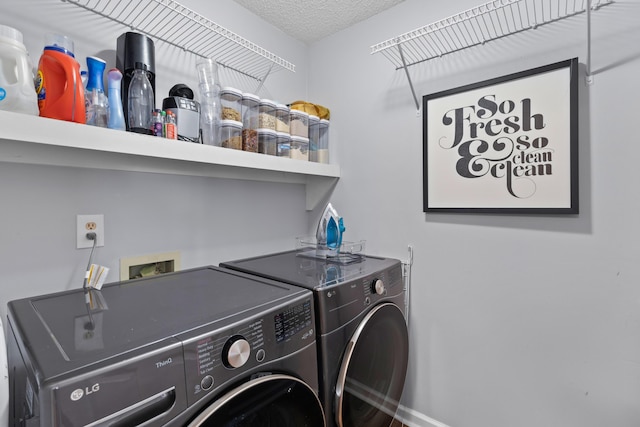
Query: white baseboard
412, 418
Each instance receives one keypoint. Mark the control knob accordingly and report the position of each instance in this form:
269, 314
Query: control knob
236, 352
377, 286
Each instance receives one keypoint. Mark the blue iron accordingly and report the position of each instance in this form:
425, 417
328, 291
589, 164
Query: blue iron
329, 232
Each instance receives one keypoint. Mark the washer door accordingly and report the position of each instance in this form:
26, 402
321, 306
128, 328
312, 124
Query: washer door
373, 370
271, 400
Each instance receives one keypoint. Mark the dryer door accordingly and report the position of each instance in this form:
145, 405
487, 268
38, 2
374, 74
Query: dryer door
270, 400
373, 370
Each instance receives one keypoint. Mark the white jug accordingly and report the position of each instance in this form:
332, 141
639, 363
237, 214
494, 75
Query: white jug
17, 90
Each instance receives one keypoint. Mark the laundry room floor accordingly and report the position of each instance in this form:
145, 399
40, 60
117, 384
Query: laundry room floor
397, 423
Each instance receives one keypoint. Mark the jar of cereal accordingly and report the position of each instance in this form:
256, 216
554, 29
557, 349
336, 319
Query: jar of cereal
299, 123
267, 115
231, 100
323, 142
283, 144
250, 104
267, 141
299, 148
282, 118
231, 134
314, 137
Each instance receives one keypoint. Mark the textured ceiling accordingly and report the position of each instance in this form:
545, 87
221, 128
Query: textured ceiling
311, 20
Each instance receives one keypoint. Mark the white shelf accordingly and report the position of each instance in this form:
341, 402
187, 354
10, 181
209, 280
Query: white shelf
175, 24
37, 140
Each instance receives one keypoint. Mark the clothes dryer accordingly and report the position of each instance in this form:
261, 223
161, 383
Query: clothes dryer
361, 329
202, 347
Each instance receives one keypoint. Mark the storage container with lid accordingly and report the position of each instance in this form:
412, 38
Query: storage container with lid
282, 118
323, 142
250, 110
231, 99
299, 123
299, 148
314, 136
283, 144
267, 141
231, 134
267, 115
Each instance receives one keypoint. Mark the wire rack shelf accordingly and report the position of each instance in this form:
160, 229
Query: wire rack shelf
476, 26
177, 25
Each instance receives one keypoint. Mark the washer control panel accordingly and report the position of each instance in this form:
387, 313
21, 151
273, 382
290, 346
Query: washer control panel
212, 359
292, 321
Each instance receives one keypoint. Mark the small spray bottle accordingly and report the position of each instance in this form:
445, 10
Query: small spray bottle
97, 105
116, 114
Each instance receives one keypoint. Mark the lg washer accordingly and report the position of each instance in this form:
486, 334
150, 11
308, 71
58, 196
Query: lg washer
361, 330
202, 347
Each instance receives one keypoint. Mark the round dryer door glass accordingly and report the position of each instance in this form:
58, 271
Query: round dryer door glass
373, 370
271, 400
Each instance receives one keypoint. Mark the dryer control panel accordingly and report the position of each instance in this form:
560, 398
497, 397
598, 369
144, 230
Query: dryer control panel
352, 298
215, 358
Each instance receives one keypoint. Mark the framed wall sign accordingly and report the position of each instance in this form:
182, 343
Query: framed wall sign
505, 145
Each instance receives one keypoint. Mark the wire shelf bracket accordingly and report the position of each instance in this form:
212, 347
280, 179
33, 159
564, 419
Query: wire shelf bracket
489, 21
170, 22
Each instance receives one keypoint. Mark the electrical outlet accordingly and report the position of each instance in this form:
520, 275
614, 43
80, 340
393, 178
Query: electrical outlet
89, 224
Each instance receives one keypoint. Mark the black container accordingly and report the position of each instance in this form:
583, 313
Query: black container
131, 48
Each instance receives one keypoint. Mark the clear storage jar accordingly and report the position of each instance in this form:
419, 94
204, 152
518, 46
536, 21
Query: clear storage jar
231, 134
267, 141
283, 144
282, 118
299, 123
299, 148
231, 100
314, 137
323, 142
267, 115
250, 110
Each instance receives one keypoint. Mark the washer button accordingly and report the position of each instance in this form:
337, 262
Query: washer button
260, 354
206, 382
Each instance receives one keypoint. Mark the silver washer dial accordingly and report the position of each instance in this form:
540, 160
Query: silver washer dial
237, 352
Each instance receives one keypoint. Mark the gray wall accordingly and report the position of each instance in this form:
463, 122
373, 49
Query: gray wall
515, 320
208, 220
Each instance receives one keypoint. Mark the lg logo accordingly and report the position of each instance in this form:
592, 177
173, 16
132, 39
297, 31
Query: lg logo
78, 393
